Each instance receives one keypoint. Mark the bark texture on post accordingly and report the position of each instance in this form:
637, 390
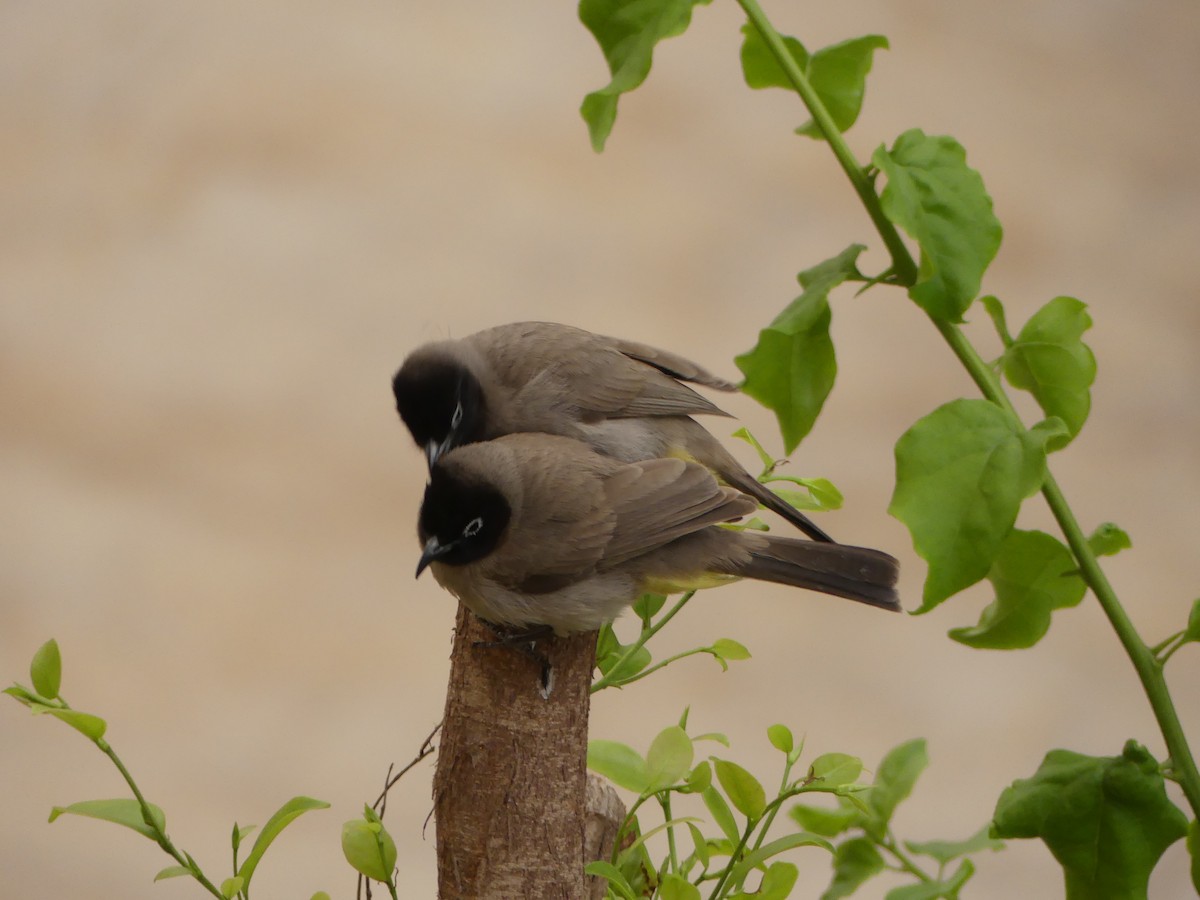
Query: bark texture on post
509, 792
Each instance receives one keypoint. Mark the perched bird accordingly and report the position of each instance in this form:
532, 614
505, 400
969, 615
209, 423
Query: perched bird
624, 399
540, 530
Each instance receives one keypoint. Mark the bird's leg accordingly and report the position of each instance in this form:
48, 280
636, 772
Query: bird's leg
524, 641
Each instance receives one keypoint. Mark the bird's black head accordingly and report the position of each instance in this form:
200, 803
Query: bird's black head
461, 521
441, 402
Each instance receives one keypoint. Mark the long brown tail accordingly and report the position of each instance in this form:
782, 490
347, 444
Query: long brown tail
772, 501
856, 573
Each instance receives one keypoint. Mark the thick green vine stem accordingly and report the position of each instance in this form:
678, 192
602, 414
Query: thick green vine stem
1149, 668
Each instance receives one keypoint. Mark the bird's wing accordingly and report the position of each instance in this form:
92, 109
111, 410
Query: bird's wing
672, 364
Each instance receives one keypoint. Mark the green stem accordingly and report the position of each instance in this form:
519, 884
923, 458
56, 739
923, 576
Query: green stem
609, 680
1148, 667
891, 846
664, 800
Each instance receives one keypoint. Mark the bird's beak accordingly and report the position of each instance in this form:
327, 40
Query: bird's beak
434, 450
433, 549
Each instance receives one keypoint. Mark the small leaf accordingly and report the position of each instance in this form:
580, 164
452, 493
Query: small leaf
854, 862
700, 845
172, 872
230, 887
627, 31
1107, 820
820, 493
122, 811
1033, 574
961, 474
675, 887
827, 822
836, 768
743, 789
722, 815
283, 817
767, 460
647, 606
780, 737
946, 851
725, 650
369, 849
669, 758
894, 781
1109, 540
24, 695
792, 367
619, 763
320, 895
995, 311
941, 202
46, 670
91, 727
777, 882
1050, 360
1192, 632
699, 778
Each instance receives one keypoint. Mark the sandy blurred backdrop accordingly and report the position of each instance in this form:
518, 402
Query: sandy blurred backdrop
224, 224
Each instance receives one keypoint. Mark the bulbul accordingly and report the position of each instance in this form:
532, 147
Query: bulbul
536, 530
624, 399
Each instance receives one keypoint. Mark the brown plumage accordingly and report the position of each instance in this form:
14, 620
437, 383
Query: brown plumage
535, 529
625, 399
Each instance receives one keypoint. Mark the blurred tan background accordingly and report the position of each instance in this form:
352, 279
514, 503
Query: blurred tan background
223, 226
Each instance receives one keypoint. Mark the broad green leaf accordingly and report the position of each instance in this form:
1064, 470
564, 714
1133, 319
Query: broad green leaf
961, 474
122, 811
742, 788
941, 202
894, 781
675, 887
627, 32
934, 890
792, 367
669, 758
231, 886
92, 727
722, 815
854, 862
1033, 574
1050, 360
725, 649
827, 822
172, 872
369, 849
699, 778
604, 869
837, 73
777, 882
1107, 820
836, 768
946, 851
619, 763
611, 659
283, 817
648, 605
1109, 540
780, 737
46, 670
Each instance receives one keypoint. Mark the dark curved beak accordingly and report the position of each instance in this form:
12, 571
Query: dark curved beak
433, 549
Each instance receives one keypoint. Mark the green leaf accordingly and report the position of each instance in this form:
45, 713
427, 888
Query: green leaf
854, 862
995, 311
627, 32
91, 727
725, 650
792, 367
961, 474
24, 695
240, 833
1050, 360
369, 849
742, 788
611, 659
604, 869
231, 886
669, 758
780, 737
933, 890
756, 858
836, 768
675, 887
941, 202
320, 895
837, 73
777, 882
722, 815
619, 763
1192, 632
46, 670
699, 778
122, 811
700, 845
172, 872
819, 493
894, 781
647, 605
1107, 820
1033, 574
947, 851
1109, 540
285, 815
827, 822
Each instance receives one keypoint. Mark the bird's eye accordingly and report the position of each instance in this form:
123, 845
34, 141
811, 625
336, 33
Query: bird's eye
473, 527
456, 418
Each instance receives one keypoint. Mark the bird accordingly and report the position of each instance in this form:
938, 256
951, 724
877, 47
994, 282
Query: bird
536, 531
625, 399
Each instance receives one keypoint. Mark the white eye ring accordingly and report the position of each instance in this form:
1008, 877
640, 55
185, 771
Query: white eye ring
456, 418
473, 527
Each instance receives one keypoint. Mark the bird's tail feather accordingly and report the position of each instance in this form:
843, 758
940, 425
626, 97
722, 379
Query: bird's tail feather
856, 573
